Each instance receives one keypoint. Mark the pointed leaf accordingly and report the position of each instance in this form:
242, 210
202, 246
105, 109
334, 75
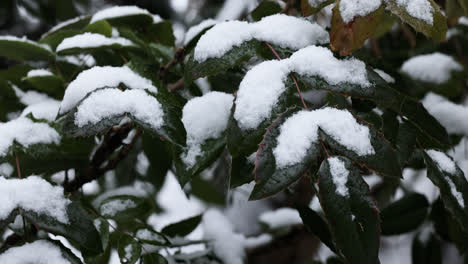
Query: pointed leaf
182, 228
317, 225
124, 207
24, 49
129, 250
265, 8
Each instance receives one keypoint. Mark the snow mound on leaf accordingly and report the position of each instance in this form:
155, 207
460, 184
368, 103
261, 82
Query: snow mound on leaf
339, 175
47, 110
282, 217
39, 252
33, 194
300, 131
91, 40
26, 132
195, 30
420, 9
443, 161
39, 72
434, 68
25, 40
282, 30
349, 9
111, 102
263, 85
452, 116
101, 77
118, 11
204, 117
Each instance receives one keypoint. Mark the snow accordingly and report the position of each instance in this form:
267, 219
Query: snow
47, 109
29, 97
452, 116
434, 68
118, 11
113, 207
262, 86
6, 169
227, 245
280, 218
349, 9
316, 3
142, 164
111, 102
195, 30
26, 132
458, 195
420, 9
80, 60
299, 131
125, 190
62, 25
204, 117
259, 92
39, 72
282, 30
385, 76
255, 242
100, 77
463, 21
25, 40
146, 234
33, 194
91, 40
444, 163
157, 19
339, 175
38, 252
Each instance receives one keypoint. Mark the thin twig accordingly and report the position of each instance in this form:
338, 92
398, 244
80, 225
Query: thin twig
18, 169
291, 75
324, 149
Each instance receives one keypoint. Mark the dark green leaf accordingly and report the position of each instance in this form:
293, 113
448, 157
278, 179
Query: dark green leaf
24, 50
50, 84
404, 215
426, 250
182, 228
129, 250
162, 33
125, 207
315, 224
353, 218
100, 27
152, 237
153, 258
265, 8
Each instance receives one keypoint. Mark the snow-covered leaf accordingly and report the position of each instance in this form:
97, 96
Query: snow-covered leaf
424, 16
152, 237
446, 175
130, 16
124, 207
66, 29
49, 83
129, 249
265, 8
91, 42
39, 251
350, 210
404, 215
24, 49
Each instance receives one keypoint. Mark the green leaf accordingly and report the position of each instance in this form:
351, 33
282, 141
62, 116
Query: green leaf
308, 10
437, 30
162, 33
345, 38
100, 27
66, 252
129, 250
153, 258
103, 226
426, 252
24, 50
404, 215
265, 8
125, 207
57, 34
316, 225
213, 66
354, 218
96, 50
152, 237
80, 228
183, 227
50, 84
452, 185
242, 171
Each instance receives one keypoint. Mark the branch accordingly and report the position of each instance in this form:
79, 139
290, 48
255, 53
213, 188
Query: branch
178, 57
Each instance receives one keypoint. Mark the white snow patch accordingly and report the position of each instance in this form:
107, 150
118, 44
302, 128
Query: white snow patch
195, 30
339, 175
6, 169
62, 25
157, 19
204, 117
458, 195
420, 9
387, 77
30, 97
38, 252
113, 207
262, 86
142, 163
47, 109
39, 72
24, 131
118, 11
80, 60
443, 161
434, 68
452, 116
282, 217
91, 40
33, 194
300, 130
349, 9
100, 77
282, 30
463, 21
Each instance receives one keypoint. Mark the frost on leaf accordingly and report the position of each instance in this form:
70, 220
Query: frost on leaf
434, 68
27, 133
101, 77
33, 194
40, 251
339, 175
281, 30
